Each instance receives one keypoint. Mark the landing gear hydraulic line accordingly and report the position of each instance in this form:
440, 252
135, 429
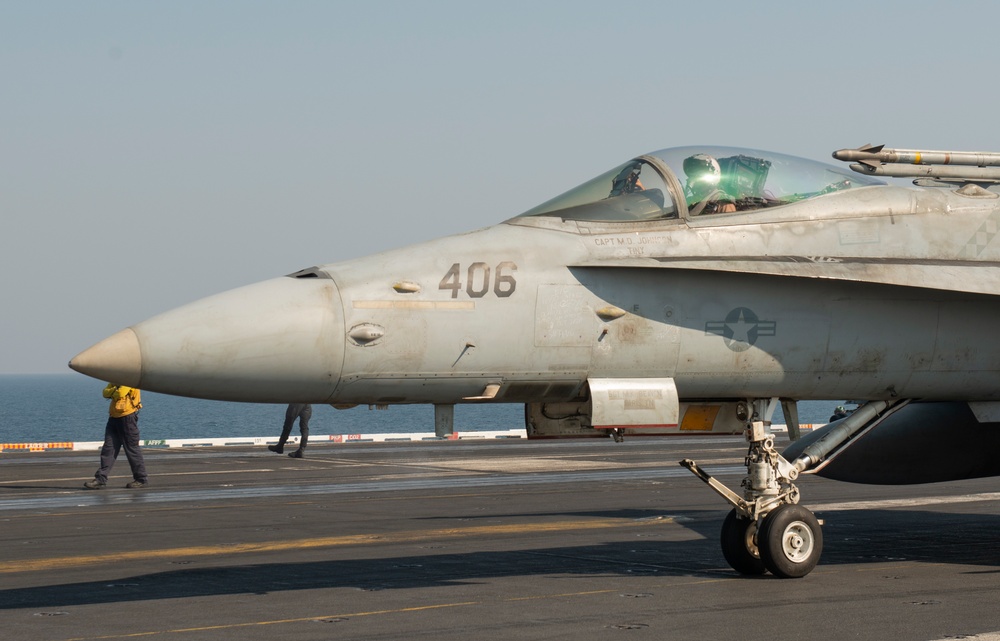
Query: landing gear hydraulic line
767, 530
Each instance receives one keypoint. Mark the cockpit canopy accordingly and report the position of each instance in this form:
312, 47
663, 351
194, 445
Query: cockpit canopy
693, 181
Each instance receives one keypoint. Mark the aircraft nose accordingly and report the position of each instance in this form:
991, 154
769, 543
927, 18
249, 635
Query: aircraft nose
279, 341
116, 359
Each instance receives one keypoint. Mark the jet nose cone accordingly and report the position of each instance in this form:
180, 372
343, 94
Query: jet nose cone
116, 359
277, 341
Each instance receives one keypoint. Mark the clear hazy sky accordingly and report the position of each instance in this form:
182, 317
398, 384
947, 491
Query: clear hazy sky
155, 153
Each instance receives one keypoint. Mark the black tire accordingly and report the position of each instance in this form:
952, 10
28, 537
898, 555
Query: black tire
738, 544
790, 541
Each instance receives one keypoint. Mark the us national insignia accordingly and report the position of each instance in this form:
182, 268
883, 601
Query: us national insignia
741, 329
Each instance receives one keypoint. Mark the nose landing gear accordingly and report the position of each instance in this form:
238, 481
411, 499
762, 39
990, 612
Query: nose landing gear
767, 531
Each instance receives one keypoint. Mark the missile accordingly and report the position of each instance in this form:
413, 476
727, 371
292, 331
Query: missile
969, 174
875, 155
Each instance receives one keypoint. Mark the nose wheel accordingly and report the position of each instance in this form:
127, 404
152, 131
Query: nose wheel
739, 544
790, 541
787, 544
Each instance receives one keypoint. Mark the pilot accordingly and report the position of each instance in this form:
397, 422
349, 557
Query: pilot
839, 413
703, 190
627, 181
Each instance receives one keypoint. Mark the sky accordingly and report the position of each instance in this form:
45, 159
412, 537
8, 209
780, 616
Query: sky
155, 153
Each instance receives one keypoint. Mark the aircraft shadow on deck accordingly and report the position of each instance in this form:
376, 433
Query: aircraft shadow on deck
851, 537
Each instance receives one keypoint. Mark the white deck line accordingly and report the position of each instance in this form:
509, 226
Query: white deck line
81, 446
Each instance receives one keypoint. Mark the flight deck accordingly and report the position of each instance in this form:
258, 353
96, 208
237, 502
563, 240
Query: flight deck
489, 539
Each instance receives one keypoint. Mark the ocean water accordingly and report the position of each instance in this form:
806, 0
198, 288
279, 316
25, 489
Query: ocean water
69, 407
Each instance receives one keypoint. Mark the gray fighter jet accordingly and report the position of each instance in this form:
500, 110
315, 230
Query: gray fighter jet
690, 290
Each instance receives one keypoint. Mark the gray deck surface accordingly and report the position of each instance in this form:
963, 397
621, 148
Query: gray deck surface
575, 540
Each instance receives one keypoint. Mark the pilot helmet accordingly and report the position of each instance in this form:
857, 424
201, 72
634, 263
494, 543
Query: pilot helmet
840, 410
702, 168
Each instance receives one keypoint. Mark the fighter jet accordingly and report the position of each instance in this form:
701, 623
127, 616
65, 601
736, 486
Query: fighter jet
690, 290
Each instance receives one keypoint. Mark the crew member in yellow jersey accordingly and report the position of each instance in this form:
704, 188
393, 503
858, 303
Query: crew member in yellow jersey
121, 431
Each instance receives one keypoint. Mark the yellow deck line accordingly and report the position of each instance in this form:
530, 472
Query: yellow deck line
57, 563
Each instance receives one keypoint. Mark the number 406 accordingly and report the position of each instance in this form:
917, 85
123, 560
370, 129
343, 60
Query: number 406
478, 280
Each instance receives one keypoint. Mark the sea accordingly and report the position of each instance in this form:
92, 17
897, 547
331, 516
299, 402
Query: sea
70, 408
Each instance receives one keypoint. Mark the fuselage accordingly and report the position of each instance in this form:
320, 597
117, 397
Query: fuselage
872, 292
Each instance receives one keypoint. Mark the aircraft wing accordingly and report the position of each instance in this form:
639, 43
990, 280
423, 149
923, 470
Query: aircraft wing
974, 277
